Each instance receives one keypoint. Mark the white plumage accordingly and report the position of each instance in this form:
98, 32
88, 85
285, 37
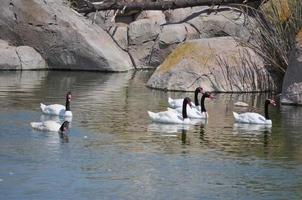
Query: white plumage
255, 118
251, 118
175, 103
58, 109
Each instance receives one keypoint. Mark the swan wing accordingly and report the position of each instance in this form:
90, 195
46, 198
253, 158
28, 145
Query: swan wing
175, 103
169, 117
250, 118
54, 109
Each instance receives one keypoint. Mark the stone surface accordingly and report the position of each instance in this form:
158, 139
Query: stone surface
171, 34
141, 54
292, 83
156, 16
120, 35
216, 64
223, 23
64, 38
30, 58
20, 58
143, 30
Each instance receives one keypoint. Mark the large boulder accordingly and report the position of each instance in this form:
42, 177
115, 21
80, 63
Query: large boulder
65, 39
292, 83
20, 58
216, 64
225, 22
143, 30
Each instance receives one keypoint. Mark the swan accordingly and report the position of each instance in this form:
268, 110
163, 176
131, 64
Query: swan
171, 116
50, 126
57, 109
255, 118
176, 103
196, 112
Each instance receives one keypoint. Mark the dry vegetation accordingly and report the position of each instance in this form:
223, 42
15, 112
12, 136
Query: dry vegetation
278, 23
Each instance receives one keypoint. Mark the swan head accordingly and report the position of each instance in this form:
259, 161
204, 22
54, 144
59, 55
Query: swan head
64, 127
208, 95
199, 89
271, 101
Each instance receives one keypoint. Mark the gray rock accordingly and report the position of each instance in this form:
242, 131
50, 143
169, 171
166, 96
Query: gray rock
216, 64
292, 83
9, 59
141, 54
143, 30
171, 34
120, 35
20, 58
183, 14
156, 16
222, 23
65, 39
30, 58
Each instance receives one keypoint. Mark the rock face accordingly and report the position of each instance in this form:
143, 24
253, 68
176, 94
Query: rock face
152, 35
292, 83
65, 39
20, 58
216, 64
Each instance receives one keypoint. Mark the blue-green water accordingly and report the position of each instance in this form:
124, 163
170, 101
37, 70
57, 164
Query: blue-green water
115, 152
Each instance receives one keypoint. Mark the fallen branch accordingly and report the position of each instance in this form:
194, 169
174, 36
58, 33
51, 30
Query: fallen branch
166, 5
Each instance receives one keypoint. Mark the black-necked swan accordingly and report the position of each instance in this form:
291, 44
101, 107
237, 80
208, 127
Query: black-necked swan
57, 109
50, 126
255, 118
177, 103
171, 116
197, 113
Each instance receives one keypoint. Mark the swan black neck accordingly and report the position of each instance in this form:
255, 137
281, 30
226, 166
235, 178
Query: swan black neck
67, 104
204, 96
267, 102
184, 107
196, 96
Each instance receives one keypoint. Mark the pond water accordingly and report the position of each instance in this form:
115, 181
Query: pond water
114, 151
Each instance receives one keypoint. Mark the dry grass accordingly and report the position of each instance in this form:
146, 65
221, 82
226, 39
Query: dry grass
275, 32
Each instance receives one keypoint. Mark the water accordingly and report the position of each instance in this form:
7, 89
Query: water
113, 150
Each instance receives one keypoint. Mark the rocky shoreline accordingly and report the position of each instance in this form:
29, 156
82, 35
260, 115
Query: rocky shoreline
188, 47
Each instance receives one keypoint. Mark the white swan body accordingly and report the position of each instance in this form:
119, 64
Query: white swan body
193, 112
168, 117
50, 126
255, 118
171, 116
58, 109
198, 112
251, 118
55, 109
175, 103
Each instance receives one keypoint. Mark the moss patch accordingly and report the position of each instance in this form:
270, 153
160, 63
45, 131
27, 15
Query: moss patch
189, 51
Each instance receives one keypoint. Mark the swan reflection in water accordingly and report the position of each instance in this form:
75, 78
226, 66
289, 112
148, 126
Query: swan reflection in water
256, 129
174, 128
167, 128
62, 134
55, 118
